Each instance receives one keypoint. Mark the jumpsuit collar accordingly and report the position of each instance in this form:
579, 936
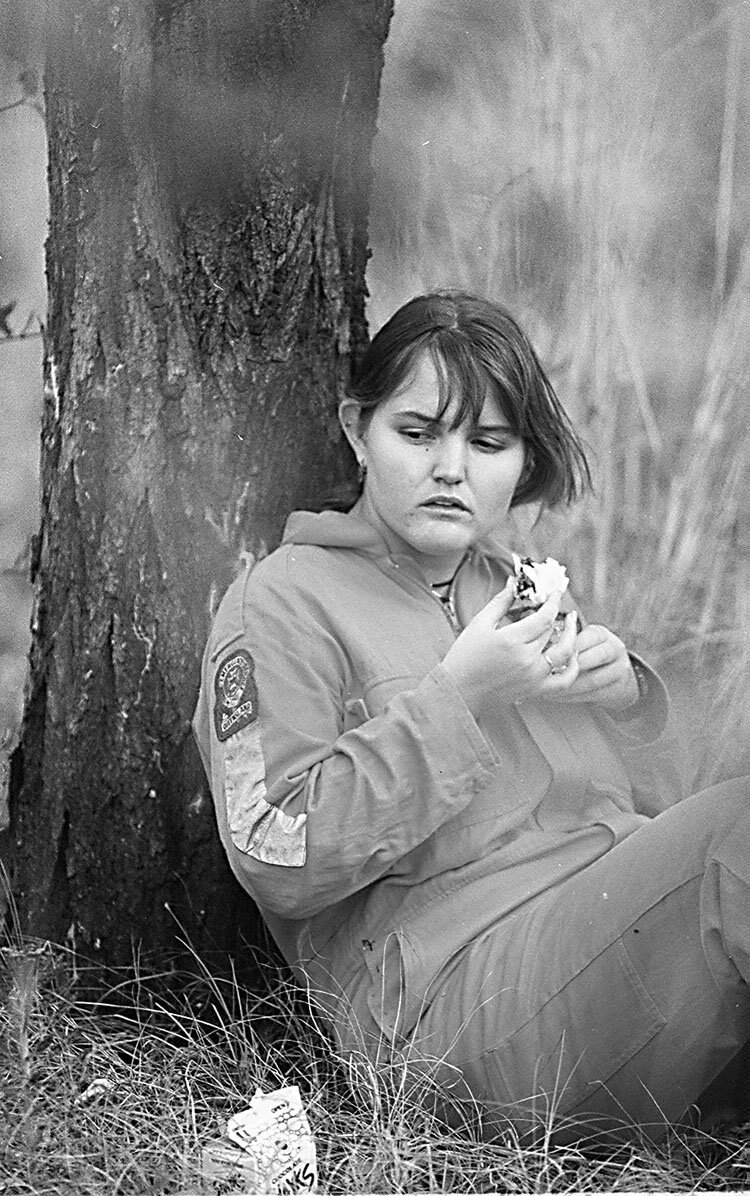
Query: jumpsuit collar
473, 584
338, 529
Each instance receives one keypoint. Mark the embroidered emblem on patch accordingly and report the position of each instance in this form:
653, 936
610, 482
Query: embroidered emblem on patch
236, 702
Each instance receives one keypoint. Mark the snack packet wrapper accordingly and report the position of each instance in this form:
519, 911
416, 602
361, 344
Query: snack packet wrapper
535, 582
268, 1147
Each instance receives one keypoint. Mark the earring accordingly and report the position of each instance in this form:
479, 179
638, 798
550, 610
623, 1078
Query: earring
361, 471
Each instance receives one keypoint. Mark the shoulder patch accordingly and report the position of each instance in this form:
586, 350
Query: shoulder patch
235, 694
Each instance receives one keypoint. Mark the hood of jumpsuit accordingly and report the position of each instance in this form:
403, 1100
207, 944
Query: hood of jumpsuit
472, 587
333, 529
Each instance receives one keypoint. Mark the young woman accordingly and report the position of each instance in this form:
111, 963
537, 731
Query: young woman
463, 836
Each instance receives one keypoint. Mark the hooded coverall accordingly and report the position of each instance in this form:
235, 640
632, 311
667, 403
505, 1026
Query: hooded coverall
526, 901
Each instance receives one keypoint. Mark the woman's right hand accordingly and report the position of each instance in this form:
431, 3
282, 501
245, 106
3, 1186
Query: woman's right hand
492, 665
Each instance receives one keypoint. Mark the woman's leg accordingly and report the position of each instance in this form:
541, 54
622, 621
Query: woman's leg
620, 994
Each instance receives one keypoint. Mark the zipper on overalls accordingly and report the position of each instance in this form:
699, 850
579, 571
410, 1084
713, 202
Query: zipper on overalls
448, 606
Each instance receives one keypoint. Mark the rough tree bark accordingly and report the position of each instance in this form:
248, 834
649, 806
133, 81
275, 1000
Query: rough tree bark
209, 172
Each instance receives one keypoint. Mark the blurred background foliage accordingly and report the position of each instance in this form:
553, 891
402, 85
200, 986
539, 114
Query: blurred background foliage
588, 165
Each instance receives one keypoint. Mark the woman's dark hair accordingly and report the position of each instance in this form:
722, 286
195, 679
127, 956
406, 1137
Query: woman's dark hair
474, 342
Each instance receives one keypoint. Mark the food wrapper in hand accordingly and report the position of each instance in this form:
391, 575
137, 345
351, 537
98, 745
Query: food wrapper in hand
535, 582
268, 1148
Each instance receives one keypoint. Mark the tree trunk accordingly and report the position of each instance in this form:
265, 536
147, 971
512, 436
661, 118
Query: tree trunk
209, 174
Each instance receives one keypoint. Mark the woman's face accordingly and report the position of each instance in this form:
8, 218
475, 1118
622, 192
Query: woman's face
432, 490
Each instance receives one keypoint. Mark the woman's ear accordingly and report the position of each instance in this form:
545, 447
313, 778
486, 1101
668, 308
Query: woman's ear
349, 417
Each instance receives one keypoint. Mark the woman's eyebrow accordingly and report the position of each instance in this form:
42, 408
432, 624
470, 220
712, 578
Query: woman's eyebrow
423, 418
418, 415
493, 428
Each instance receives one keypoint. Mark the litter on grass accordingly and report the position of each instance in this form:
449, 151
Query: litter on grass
268, 1147
96, 1088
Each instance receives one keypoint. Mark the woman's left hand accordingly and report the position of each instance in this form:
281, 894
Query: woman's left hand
605, 673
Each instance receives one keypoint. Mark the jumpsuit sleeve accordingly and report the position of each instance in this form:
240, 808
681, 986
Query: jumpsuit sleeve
647, 745
646, 720
310, 812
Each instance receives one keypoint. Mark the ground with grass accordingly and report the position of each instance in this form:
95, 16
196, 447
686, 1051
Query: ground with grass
118, 1093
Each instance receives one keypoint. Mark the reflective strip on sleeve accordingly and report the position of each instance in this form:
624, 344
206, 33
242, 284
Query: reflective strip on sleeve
257, 828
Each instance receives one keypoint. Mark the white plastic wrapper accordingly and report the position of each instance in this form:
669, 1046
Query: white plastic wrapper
268, 1148
536, 581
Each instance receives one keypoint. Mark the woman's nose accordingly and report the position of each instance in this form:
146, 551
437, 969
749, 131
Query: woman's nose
450, 460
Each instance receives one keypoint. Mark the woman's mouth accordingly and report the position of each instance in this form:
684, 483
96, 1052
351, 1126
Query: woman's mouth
445, 505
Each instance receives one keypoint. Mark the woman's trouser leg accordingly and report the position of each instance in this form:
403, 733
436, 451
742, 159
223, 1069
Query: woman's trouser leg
619, 995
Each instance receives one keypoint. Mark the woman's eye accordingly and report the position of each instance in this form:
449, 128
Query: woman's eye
486, 445
417, 435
